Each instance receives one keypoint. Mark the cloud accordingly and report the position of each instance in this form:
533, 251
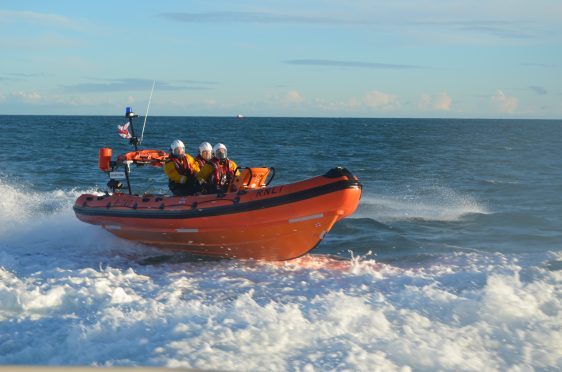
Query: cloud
500, 29
252, 17
296, 101
371, 100
294, 96
446, 22
539, 65
198, 82
28, 97
45, 40
348, 105
24, 75
36, 18
504, 103
36, 99
380, 100
17, 76
290, 97
120, 85
353, 64
539, 90
440, 102
443, 102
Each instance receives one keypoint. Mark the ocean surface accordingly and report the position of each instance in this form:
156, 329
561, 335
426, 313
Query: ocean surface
453, 260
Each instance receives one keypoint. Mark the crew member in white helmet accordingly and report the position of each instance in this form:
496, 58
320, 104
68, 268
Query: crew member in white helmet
205, 154
217, 174
181, 170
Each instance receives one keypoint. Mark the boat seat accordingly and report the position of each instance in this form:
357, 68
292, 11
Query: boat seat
249, 178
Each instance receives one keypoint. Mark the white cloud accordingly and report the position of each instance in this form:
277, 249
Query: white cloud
38, 18
46, 40
210, 102
351, 104
441, 102
294, 96
29, 97
374, 99
37, 99
504, 103
286, 98
380, 100
335, 106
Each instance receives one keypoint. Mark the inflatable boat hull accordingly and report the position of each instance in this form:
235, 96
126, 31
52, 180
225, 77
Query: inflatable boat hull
272, 223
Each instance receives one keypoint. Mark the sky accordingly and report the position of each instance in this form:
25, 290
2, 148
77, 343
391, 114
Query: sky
290, 58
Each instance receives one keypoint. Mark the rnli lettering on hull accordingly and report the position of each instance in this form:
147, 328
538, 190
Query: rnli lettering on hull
269, 191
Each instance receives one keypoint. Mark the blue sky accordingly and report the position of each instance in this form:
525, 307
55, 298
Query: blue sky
330, 58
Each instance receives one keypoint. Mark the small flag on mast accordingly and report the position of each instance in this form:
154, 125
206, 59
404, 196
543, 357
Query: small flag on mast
123, 130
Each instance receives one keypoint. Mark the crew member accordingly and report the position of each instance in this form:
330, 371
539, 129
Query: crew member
181, 170
216, 175
205, 154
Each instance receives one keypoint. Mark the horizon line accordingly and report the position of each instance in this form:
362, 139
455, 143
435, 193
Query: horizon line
296, 117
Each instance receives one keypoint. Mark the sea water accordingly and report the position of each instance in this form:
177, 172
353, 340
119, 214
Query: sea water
453, 260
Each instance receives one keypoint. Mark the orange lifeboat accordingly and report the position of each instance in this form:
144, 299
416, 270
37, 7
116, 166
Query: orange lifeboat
252, 220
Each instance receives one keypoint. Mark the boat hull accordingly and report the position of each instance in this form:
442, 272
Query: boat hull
273, 223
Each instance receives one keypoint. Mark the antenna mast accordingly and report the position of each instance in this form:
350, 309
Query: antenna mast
147, 107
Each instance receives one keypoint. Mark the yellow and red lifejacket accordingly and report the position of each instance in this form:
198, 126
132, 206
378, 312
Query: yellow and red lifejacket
200, 160
223, 173
176, 168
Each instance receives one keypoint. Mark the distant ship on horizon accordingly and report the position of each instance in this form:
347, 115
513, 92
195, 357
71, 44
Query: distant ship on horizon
239, 116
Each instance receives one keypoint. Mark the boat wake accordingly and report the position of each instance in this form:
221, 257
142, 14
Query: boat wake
428, 204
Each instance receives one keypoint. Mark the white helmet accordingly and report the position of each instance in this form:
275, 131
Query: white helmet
177, 143
205, 146
216, 153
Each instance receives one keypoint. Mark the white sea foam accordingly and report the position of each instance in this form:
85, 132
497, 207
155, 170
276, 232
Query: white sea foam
70, 293
20, 207
177, 315
430, 204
